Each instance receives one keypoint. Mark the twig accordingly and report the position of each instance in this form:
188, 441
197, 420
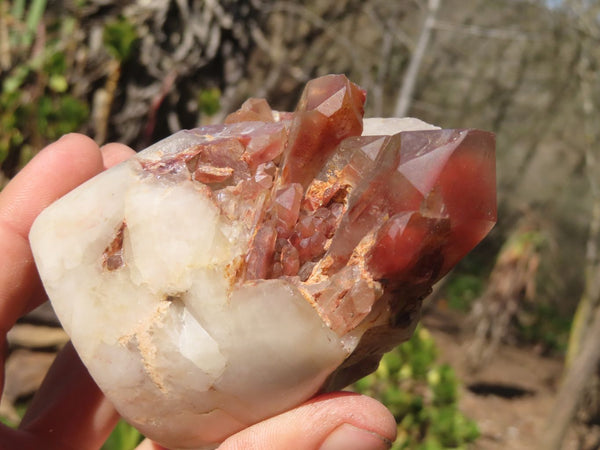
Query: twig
165, 88
474, 30
410, 77
570, 394
5, 59
110, 89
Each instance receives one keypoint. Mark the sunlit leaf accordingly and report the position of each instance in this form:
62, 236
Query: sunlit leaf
58, 83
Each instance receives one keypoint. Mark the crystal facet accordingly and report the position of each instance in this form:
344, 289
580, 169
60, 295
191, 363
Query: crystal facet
230, 272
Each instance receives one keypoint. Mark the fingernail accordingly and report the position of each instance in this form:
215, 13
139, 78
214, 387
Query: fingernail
349, 437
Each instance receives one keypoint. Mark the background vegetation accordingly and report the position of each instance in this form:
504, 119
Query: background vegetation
422, 395
137, 71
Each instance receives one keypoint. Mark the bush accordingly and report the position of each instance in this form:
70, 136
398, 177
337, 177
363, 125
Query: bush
422, 396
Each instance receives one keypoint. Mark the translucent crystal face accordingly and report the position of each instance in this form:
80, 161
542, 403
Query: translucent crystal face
230, 272
321, 203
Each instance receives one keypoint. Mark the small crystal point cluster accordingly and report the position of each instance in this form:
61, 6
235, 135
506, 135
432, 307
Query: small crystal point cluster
230, 272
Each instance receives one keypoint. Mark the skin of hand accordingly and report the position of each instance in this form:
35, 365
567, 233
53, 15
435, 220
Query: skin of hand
69, 411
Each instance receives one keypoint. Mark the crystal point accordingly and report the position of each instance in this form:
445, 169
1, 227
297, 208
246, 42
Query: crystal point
230, 272
330, 110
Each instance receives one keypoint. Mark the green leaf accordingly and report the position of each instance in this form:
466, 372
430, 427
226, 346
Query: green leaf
34, 15
119, 37
58, 83
18, 9
13, 83
209, 101
445, 391
55, 63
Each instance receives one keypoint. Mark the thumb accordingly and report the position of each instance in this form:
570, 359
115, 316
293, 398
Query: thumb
335, 421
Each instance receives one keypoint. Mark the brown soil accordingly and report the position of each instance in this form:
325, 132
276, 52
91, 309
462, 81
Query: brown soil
511, 397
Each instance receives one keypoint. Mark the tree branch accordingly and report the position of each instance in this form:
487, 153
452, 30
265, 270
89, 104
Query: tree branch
410, 77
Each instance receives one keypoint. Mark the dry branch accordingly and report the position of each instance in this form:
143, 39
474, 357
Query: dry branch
409, 81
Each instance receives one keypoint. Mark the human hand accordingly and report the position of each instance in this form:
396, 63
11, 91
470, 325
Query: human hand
69, 411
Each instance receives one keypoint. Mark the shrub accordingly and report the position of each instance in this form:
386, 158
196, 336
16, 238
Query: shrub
422, 395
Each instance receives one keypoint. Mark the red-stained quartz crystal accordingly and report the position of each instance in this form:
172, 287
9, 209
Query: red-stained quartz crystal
287, 207
267, 146
259, 261
402, 241
351, 220
330, 110
252, 110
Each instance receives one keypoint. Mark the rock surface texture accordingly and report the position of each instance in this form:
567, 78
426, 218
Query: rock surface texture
231, 272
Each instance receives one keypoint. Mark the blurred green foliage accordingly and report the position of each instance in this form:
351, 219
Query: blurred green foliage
119, 38
209, 101
463, 289
36, 102
123, 437
544, 324
31, 18
10, 134
422, 395
20, 409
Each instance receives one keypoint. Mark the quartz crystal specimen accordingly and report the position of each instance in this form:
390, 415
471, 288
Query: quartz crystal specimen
230, 272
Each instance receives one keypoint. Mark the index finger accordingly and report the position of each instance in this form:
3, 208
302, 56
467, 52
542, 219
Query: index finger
56, 170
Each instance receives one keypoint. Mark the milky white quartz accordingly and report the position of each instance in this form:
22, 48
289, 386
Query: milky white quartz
377, 126
186, 355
